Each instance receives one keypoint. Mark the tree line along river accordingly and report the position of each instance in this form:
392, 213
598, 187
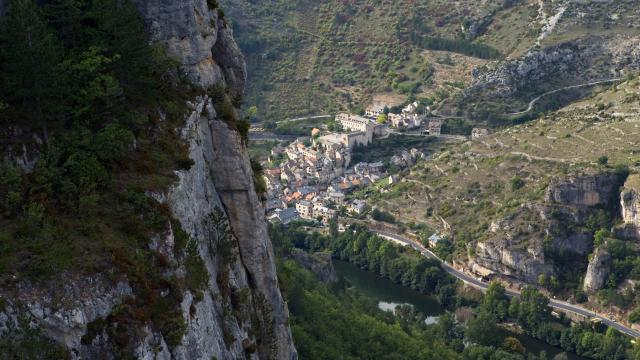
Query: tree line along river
389, 295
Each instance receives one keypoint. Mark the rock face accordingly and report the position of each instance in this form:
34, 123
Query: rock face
598, 270
220, 182
509, 77
89, 299
509, 258
584, 191
520, 245
515, 248
319, 263
630, 204
241, 313
577, 62
192, 34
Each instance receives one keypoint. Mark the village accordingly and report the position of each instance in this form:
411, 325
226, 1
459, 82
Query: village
315, 175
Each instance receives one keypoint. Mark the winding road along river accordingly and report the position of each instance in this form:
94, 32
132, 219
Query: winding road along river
472, 281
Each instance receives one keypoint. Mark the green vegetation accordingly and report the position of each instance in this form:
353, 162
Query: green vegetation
312, 58
96, 108
225, 105
603, 160
258, 180
29, 343
84, 203
457, 127
315, 306
335, 322
461, 46
516, 183
341, 325
626, 265
302, 128
383, 149
634, 317
366, 250
533, 314
382, 216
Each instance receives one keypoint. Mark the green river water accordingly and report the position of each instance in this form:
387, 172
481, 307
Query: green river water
389, 294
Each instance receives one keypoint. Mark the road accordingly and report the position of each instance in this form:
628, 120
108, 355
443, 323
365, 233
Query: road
268, 136
533, 102
481, 285
420, 134
303, 118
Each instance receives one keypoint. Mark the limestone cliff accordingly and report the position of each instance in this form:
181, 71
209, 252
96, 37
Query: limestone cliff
572, 63
319, 263
524, 244
514, 248
630, 204
220, 181
598, 270
241, 312
587, 191
511, 76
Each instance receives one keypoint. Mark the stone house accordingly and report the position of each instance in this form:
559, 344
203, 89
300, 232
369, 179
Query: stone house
478, 133
434, 127
305, 209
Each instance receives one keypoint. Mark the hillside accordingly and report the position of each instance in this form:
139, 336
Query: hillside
537, 193
556, 81
309, 58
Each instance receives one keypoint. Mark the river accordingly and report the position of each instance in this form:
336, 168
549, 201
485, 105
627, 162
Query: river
389, 295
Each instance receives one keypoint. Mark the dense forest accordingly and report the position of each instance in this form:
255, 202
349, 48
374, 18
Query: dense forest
87, 94
461, 46
315, 305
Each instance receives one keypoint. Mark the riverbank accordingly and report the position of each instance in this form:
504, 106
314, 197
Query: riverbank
389, 294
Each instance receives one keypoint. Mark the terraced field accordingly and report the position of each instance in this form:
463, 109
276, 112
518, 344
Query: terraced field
339, 53
474, 179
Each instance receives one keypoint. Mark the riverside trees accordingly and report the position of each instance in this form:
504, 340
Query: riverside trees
531, 311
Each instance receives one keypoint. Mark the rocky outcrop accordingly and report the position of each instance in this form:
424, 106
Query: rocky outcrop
509, 77
523, 244
585, 191
630, 204
64, 318
220, 181
319, 263
573, 63
514, 248
513, 258
194, 35
597, 271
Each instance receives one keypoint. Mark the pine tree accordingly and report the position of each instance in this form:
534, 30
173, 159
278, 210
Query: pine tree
121, 31
69, 20
29, 58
